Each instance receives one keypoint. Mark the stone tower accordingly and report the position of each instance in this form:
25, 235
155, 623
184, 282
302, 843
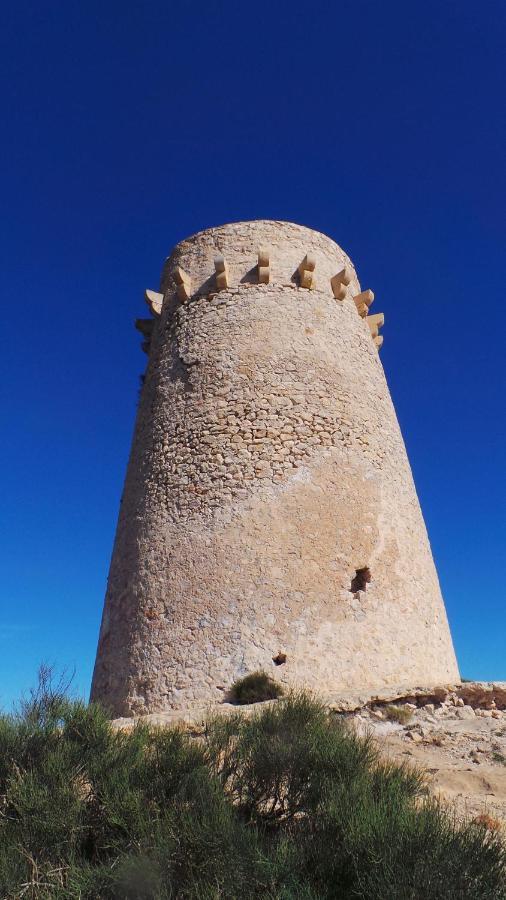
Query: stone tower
269, 518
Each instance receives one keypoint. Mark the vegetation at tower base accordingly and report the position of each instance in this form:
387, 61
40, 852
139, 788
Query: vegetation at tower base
254, 688
286, 804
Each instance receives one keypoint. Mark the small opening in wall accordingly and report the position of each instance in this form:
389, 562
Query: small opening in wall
280, 659
361, 580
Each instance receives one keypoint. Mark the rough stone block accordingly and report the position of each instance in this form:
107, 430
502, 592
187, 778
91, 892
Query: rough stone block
362, 310
263, 257
375, 322
308, 263
363, 302
340, 282
154, 301
222, 278
338, 289
307, 279
263, 266
184, 284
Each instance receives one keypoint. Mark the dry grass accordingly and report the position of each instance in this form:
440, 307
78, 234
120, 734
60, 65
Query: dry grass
400, 714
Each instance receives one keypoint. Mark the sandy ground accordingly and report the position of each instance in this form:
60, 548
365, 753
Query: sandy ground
465, 759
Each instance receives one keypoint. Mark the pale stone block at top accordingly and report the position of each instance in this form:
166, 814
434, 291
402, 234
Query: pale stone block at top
362, 309
184, 284
338, 287
154, 301
307, 279
263, 257
375, 322
363, 302
346, 275
263, 265
308, 263
183, 292
180, 276
222, 279
340, 282
365, 296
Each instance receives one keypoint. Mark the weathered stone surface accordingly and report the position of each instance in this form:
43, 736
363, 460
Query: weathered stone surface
267, 469
484, 693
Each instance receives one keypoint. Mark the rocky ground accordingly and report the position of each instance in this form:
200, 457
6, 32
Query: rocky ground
462, 749
457, 734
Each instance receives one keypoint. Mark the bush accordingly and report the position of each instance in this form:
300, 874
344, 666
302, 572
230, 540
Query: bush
255, 688
92, 813
400, 714
342, 822
287, 805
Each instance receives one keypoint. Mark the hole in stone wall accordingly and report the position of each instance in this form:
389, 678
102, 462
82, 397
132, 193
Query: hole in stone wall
280, 659
361, 580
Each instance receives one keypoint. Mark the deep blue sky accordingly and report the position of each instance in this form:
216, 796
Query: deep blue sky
129, 126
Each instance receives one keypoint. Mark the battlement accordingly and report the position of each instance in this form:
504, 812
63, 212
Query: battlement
238, 265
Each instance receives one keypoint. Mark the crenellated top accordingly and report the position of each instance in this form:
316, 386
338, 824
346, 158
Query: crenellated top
259, 252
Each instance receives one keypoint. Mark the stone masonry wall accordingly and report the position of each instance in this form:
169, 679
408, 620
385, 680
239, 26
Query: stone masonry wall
267, 467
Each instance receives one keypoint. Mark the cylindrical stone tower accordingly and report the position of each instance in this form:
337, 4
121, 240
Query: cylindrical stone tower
269, 518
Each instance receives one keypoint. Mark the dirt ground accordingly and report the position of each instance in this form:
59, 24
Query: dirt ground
456, 733
465, 759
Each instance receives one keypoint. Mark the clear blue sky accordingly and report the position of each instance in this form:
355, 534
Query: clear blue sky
129, 126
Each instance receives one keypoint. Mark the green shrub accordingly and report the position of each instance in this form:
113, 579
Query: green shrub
255, 688
400, 714
348, 823
289, 804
